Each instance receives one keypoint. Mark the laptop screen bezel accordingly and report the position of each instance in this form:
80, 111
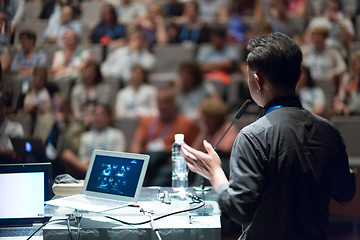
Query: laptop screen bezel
145, 158
29, 168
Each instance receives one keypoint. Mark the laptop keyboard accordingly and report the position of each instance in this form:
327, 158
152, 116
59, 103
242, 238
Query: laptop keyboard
89, 203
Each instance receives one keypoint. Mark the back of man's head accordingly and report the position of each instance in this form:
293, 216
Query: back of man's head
277, 57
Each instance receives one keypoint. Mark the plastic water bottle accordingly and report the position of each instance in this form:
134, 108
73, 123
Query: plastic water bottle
179, 167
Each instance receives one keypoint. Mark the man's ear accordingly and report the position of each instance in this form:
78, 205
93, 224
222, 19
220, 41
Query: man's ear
259, 79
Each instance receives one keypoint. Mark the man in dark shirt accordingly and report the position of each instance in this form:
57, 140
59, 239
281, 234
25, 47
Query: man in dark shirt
286, 166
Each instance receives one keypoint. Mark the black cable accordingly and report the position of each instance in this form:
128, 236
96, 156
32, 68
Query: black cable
68, 227
43, 225
157, 218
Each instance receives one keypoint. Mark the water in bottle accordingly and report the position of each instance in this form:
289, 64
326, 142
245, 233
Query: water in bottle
179, 167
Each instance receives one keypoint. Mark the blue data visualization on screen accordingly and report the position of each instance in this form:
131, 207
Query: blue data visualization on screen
115, 175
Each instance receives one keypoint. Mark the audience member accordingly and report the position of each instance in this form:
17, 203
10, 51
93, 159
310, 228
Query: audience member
68, 62
152, 25
311, 97
282, 22
59, 131
28, 57
118, 64
237, 30
192, 90
109, 29
101, 136
218, 56
347, 6
325, 63
190, 28
14, 11
8, 129
56, 29
208, 9
51, 10
129, 10
212, 125
4, 41
86, 94
341, 29
347, 100
155, 135
138, 98
37, 99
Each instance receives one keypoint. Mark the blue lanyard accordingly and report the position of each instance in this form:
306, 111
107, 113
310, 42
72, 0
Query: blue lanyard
273, 108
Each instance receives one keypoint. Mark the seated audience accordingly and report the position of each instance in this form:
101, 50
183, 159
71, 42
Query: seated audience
37, 99
59, 131
212, 125
86, 94
192, 89
14, 10
155, 135
190, 28
218, 58
237, 29
68, 62
152, 25
341, 29
282, 22
8, 129
347, 100
311, 97
4, 41
129, 10
118, 64
28, 57
138, 98
51, 10
56, 29
209, 8
109, 30
325, 63
101, 136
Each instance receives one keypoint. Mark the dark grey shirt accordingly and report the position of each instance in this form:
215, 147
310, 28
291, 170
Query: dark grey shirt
284, 169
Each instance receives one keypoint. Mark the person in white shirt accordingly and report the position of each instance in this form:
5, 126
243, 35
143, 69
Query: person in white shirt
102, 136
138, 98
38, 99
325, 63
119, 63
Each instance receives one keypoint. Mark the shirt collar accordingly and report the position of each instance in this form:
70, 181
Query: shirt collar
287, 101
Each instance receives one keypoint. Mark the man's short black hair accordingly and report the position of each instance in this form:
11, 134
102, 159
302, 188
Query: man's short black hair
30, 34
277, 57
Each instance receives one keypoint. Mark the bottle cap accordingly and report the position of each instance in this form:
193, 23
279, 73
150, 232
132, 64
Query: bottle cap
179, 137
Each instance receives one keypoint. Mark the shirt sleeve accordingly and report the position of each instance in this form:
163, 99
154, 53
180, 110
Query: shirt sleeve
15, 65
20, 7
239, 200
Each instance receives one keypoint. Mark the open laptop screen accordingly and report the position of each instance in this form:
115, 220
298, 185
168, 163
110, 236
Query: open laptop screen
115, 175
24, 188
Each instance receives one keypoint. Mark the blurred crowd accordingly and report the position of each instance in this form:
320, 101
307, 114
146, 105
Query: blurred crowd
84, 75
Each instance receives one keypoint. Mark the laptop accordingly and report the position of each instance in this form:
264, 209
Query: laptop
24, 188
29, 149
113, 180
